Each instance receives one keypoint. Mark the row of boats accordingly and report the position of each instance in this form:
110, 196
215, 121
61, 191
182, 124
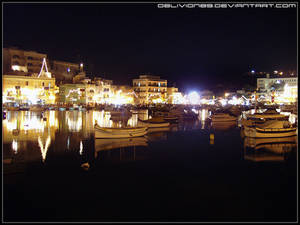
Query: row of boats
160, 119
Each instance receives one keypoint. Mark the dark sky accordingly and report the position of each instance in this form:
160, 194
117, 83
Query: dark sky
196, 48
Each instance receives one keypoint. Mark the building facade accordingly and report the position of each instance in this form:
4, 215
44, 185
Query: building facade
21, 62
284, 88
150, 89
28, 89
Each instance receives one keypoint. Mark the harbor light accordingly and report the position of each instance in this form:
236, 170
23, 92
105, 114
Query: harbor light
194, 98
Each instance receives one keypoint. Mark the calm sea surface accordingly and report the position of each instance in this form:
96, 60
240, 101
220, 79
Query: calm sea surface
191, 171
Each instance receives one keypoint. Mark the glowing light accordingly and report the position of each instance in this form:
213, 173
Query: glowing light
81, 64
226, 95
15, 146
44, 149
281, 73
68, 70
194, 98
252, 71
275, 71
81, 148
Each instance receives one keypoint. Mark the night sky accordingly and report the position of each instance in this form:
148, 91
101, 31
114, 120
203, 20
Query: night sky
196, 48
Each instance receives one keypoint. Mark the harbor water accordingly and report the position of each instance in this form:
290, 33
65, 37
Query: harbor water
54, 170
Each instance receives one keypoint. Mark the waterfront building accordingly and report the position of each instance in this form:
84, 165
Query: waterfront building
80, 94
285, 88
174, 96
123, 94
64, 72
150, 89
21, 62
32, 89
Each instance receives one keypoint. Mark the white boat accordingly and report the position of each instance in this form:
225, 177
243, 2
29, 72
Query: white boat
127, 132
271, 129
107, 144
222, 117
260, 118
154, 122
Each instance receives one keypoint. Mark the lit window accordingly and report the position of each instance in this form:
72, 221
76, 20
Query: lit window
158, 84
68, 70
139, 84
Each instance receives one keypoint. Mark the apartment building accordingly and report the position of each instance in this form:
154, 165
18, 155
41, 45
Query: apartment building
150, 89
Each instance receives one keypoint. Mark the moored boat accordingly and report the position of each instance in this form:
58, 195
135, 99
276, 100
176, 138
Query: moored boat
154, 122
222, 117
260, 118
107, 144
271, 129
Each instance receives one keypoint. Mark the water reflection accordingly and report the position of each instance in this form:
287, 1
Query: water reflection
268, 149
28, 132
44, 148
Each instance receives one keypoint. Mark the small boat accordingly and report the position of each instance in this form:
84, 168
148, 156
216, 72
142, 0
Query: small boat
260, 118
167, 116
222, 117
271, 129
123, 132
154, 122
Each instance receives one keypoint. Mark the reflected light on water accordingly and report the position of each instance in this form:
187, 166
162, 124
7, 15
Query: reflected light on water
81, 148
102, 119
15, 146
44, 149
74, 121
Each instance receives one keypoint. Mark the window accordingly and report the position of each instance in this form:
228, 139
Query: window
30, 58
29, 64
158, 90
154, 89
43, 84
139, 84
26, 83
159, 84
16, 63
16, 57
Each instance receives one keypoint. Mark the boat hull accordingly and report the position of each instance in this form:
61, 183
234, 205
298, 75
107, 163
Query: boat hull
119, 132
256, 132
155, 125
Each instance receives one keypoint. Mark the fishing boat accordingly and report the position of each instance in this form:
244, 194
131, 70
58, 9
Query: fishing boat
271, 129
122, 132
259, 118
154, 122
222, 117
167, 116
